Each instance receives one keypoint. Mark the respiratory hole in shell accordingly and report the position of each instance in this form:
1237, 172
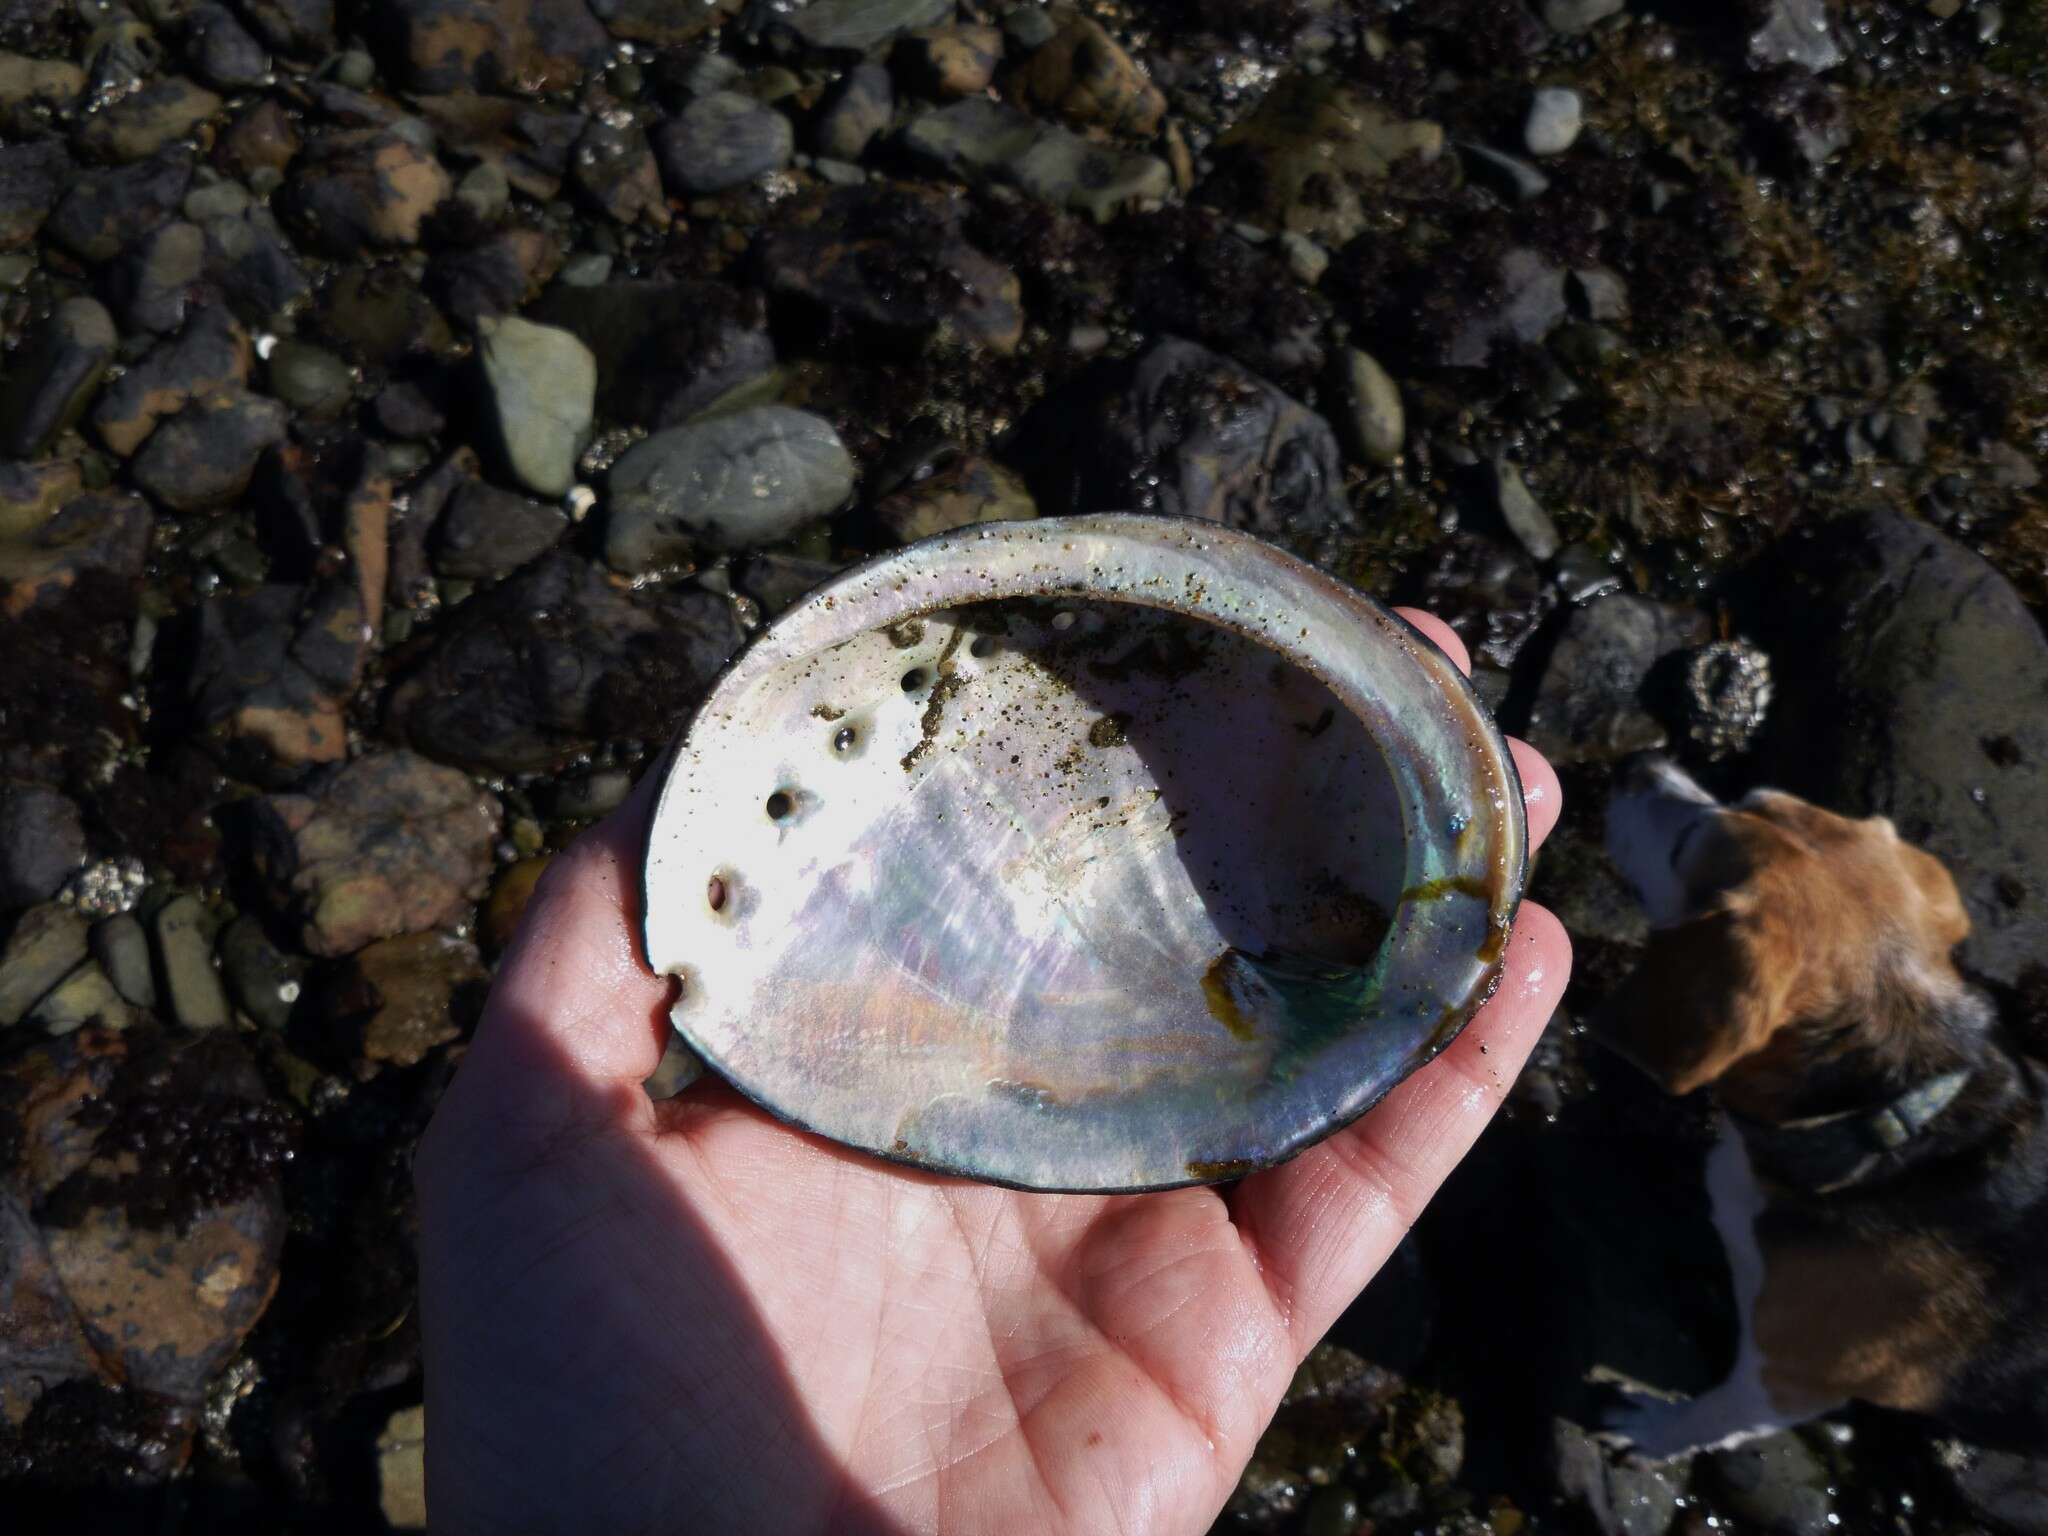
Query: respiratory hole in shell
913, 680
780, 804
714, 893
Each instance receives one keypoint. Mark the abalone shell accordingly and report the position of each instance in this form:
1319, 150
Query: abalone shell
1093, 853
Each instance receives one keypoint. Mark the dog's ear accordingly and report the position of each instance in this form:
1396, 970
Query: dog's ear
1701, 1000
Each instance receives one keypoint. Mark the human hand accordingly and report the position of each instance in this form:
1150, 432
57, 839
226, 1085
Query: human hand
687, 1315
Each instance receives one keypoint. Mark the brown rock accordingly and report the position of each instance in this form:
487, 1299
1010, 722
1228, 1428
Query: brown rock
137, 126
105, 535
211, 354
509, 897
29, 493
206, 454
366, 535
398, 999
1083, 76
42, 1344
272, 672
26, 82
363, 187
264, 138
951, 62
967, 490
521, 47
391, 844
663, 22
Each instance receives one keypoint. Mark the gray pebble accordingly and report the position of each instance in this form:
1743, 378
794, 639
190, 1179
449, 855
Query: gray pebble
45, 946
310, 378
1578, 15
1378, 425
52, 376
720, 141
122, 949
42, 844
725, 482
853, 112
81, 998
184, 952
543, 389
264, 979
1508, 176
1555, 117
1519, 509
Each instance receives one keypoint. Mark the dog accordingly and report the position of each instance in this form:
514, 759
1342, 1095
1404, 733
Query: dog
1881, 1183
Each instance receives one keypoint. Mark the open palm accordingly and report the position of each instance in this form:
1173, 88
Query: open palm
686, 1315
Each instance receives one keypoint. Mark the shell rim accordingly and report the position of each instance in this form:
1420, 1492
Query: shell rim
1515, 826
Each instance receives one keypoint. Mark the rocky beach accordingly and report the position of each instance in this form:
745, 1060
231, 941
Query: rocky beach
408, 406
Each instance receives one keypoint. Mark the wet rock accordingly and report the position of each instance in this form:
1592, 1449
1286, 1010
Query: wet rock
963, 490
248, 261
26, 82
31, 493
104, 212
663, 22
542, 386
725, 482
2007, 1489
530, 144
206, 454
1620, 1497
92, 539
413, 410
52, 376
1313, 152
1727, 697
985, 141
485, 533
1578, 15
1590, 703
389, 844
532, 671
222, 51
84, 997
1777, 1484
359, 188
498, 276
776, 581
310, 379
1796, 32
32, 176
1488, 591
855, 26
153, 283
719, 141
301, 29
665, 350
510, 893
261, 141
211, 354
1520, 511
396, 1000
1804, 120
46, 944
138, 125
183, 930
1083, 76
264, 980
402, 1443
1377, 424
122, 949
615, 170
520, 47
166, 1238
951, 62
1520, 298
1555, 117
678, 1068
1910, 678
890, 265
1184, 431
42, 843
272, 672
856, 109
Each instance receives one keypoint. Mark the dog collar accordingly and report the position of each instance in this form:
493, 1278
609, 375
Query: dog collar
1830, 1152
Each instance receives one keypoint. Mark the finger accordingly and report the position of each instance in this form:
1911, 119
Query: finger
572, 987
1541, 792
1322, 1225
1441, 635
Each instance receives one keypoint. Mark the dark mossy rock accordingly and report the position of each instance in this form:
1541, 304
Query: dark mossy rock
271, 674
1184, 431
51, 377
32, 176
664, 350
97, 540
101, 213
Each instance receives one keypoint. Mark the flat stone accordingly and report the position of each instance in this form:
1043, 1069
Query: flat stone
389, 844
396, 1000
543, 388
184, 953
1555, 117
964, 491
856, 109
1578, 15
1373, 412
855, 26
84, 997
45, 946
42, 843
51, 377
485, 533
1083, 76
122, 949
986, 141
206, 454
721, 141
726, 482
